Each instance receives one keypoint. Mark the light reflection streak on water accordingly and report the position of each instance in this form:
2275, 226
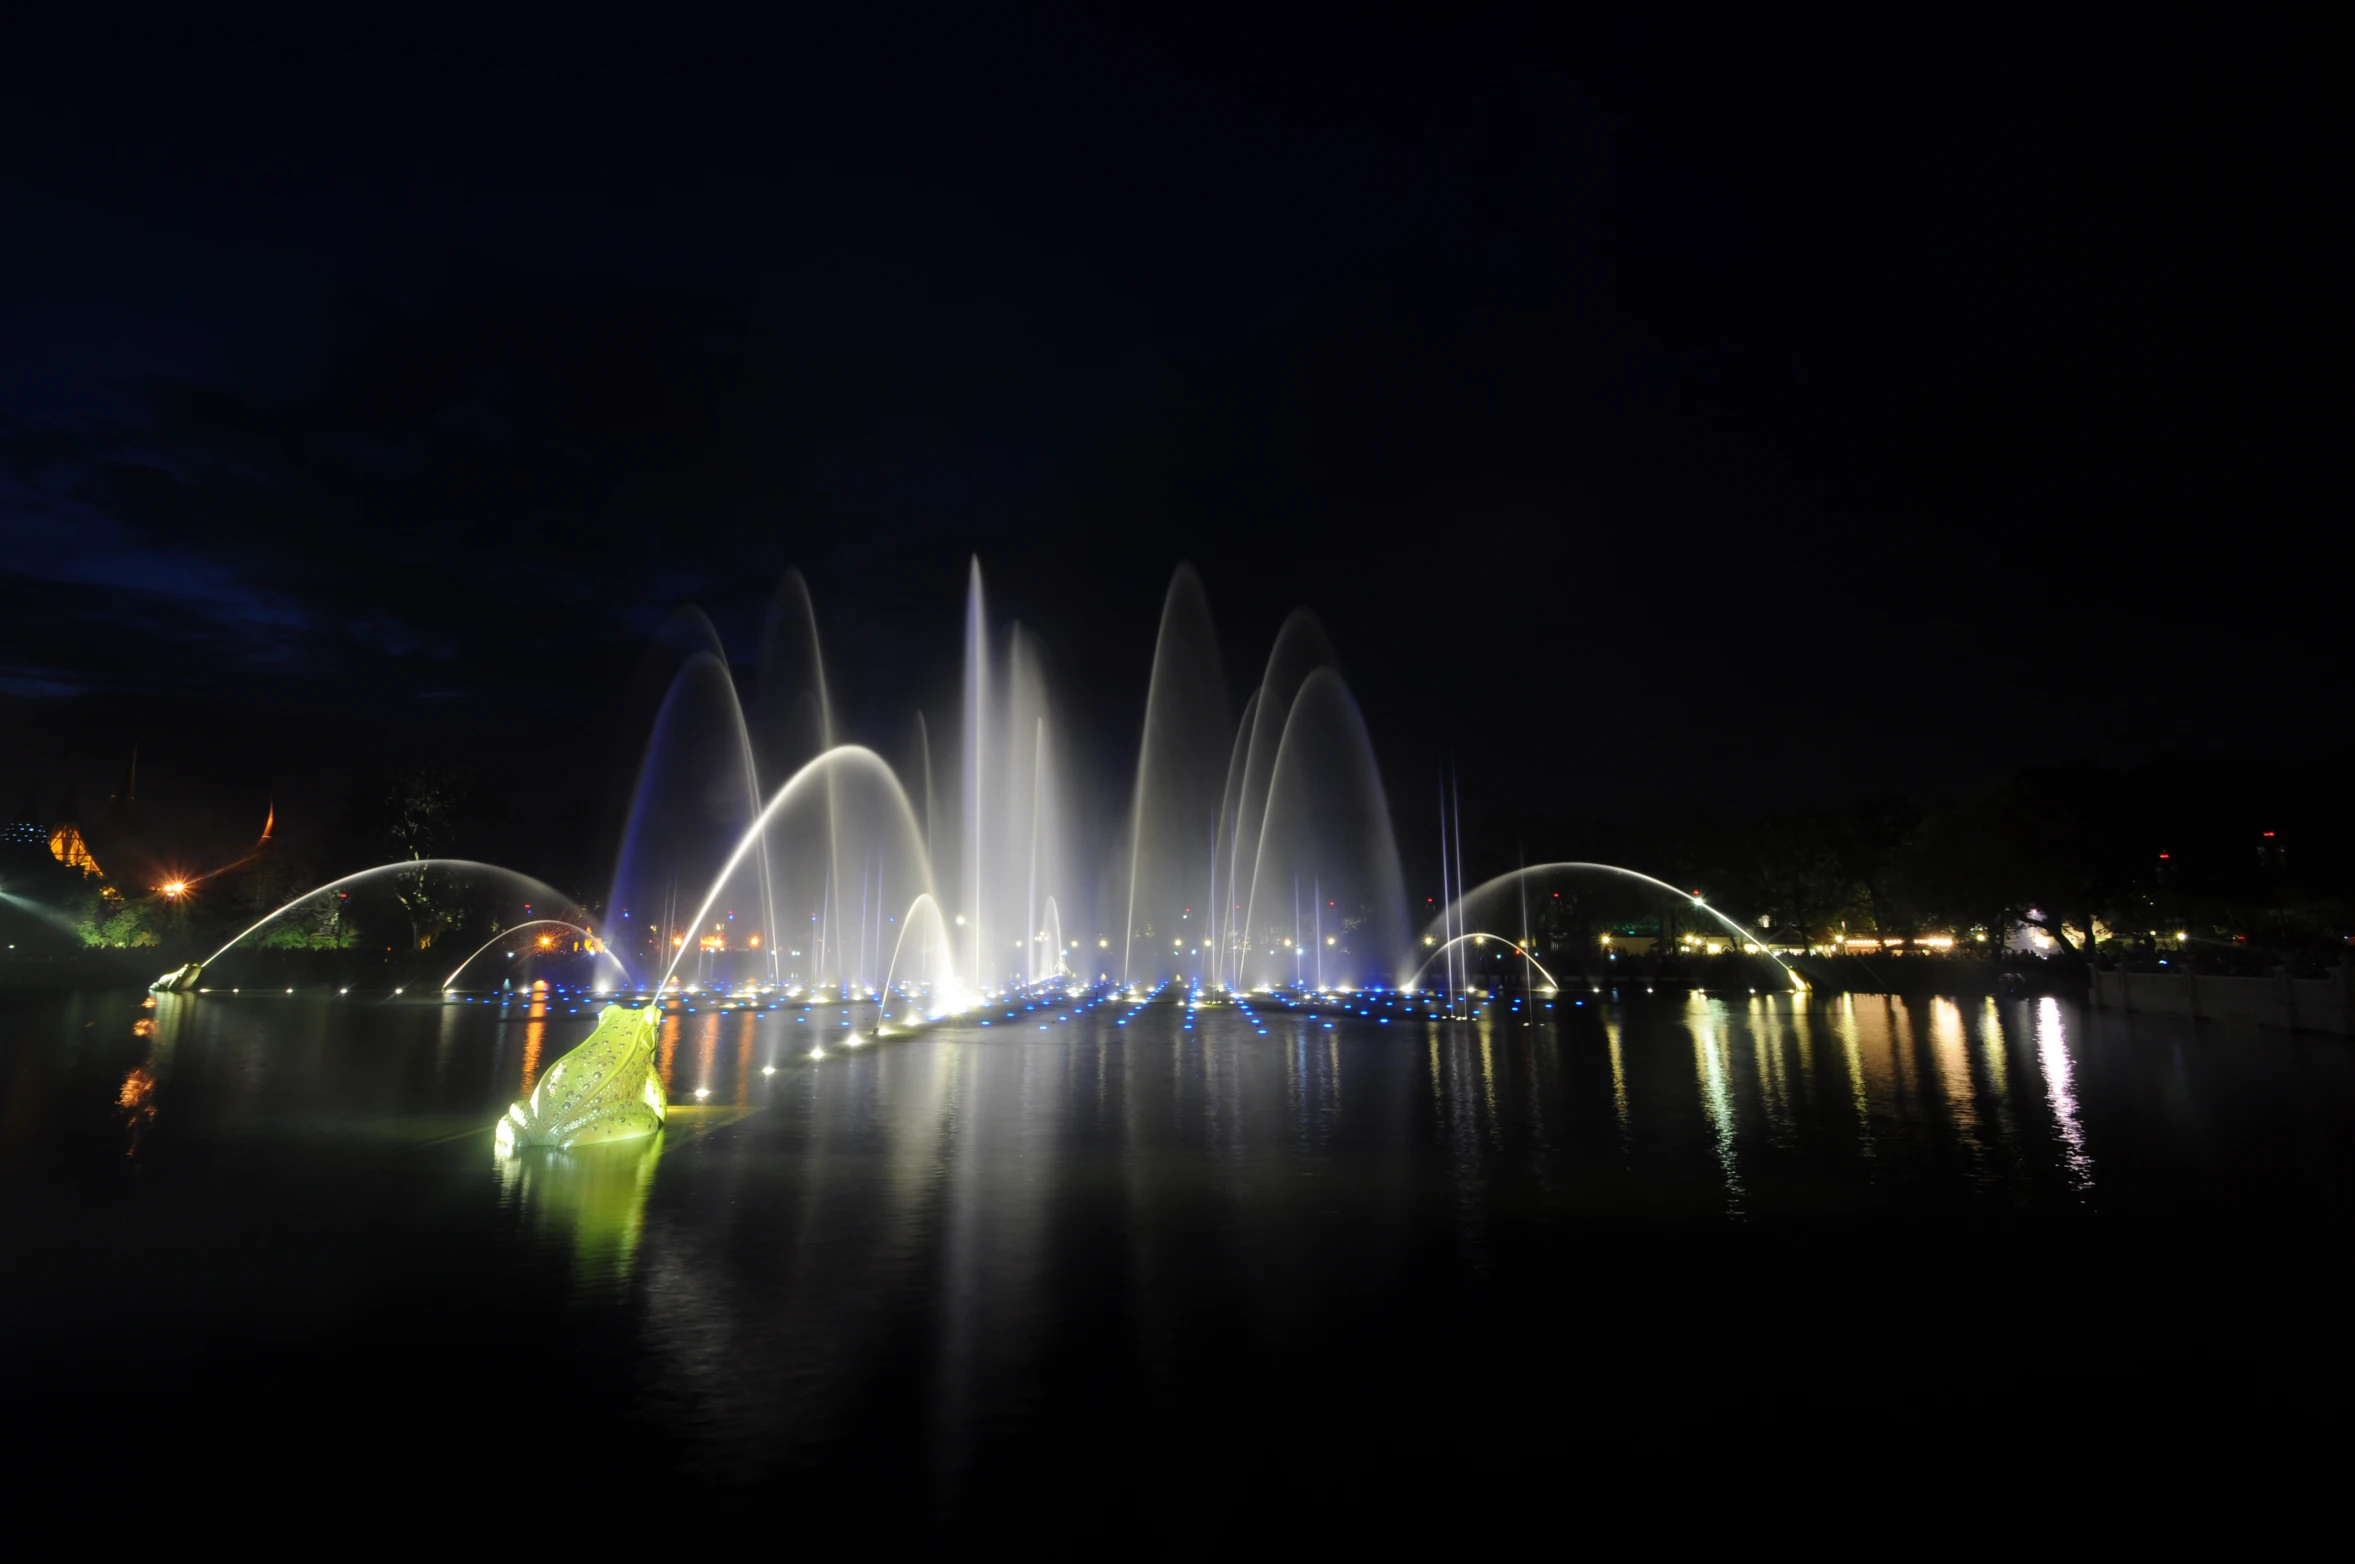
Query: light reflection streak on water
1992, 1059
446, 1045
671, 1023
1488, 1083
1774, 1084
1953, 1055
1296, 1088
1904, 1068
534, 1031
1455, 1114
1618, 1079
2052, 1055
1716, 1099
1844, 1028
1991, 1050
707, 1038
1540, 1073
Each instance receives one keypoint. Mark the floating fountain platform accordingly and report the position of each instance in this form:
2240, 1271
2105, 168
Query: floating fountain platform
179, 980
606, 1089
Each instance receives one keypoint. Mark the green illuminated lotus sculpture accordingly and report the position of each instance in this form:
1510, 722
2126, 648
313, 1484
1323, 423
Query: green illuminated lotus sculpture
606, 1089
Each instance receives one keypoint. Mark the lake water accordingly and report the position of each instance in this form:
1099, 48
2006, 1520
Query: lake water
1117, 1264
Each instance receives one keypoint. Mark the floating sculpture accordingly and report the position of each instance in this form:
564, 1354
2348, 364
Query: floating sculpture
606, 1089
179, 980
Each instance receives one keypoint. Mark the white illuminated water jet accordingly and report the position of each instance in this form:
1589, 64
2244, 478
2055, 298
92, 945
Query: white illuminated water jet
596, 947
187, 977
1487, 901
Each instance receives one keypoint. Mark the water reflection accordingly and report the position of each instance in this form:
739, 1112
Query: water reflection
1843, 1023
1618, 1080
1716, 1095
137, 1096
1774, 1083
1951, 1052
592, 1199
2052, 1056
923, 1249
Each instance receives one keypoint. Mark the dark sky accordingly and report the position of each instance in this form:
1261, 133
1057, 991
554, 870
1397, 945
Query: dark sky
1753, 409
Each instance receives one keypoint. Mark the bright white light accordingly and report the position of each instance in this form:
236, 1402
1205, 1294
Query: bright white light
768, 1069
702, 1092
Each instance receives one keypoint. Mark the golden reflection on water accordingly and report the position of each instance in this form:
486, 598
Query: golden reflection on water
1991, 1049
1618, 1077
138, 1095
1905, 1085
1951, 1050
534, 1034
1843, 1022
1878, 1034
1488, 1072
137, 1100
668, 1051
744, 1033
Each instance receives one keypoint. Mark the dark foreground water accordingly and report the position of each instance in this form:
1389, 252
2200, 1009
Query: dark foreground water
1089, 1268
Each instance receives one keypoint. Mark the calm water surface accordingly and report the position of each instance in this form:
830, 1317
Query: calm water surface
1112, 1257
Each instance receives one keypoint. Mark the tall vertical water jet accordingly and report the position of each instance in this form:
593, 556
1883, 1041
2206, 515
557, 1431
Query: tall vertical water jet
1037, 791
792, 718
794, 713
927, 799
1174, 806
976, 714
1299, 650
930, 962
1230, 802
1328, 819
697, 787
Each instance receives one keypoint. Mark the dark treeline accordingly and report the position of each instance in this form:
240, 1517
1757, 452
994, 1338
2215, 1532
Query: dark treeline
2255, 863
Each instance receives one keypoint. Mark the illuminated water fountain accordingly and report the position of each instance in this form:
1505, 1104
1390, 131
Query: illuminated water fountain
761, 855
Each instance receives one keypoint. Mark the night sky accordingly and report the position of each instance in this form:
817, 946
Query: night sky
1741, 411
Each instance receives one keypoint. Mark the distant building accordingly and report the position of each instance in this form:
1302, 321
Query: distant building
65, 839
